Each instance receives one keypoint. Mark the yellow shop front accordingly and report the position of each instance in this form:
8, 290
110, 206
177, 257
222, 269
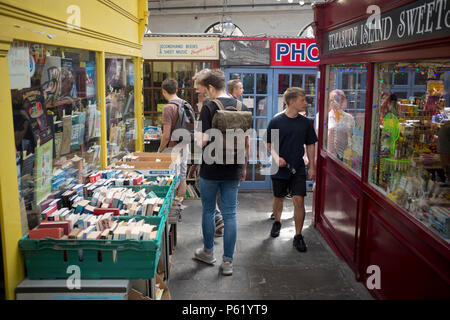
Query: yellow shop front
70, 103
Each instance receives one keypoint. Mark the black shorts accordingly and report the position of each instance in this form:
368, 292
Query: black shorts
296, 186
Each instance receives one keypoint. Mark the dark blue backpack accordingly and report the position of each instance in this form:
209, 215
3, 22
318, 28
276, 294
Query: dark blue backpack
186, 116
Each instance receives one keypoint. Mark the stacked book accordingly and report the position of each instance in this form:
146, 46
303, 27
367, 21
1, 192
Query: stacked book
90, 227
192, 173
192, 192
175, 211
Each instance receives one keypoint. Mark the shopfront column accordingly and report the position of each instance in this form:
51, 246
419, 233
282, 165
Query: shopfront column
10, 220
101, 96
138, 103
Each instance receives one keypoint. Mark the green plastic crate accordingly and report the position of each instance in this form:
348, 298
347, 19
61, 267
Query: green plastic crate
97, 259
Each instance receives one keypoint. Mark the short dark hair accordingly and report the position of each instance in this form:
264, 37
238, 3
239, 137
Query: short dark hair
292, 94
170, 85
233, 84
215, 77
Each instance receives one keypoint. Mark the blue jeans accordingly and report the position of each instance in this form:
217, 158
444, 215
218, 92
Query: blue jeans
228, 198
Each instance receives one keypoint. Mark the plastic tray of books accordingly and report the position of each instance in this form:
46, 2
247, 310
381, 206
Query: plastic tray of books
166, 192
97, 259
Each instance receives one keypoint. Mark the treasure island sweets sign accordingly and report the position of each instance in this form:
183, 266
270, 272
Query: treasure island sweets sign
419, 20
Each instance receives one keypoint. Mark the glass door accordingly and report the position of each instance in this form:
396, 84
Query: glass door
257, 97
303, 78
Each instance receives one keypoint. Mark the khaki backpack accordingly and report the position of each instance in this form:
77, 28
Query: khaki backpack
232, 118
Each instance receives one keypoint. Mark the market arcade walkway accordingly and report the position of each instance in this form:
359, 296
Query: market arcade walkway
264, 267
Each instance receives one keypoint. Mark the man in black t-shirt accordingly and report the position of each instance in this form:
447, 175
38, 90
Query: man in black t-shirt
216, 176
288, 167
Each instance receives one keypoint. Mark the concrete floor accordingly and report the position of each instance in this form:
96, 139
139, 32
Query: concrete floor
263, 267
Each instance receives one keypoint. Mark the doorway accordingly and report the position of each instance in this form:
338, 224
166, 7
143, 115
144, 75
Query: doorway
257, 97
263, 95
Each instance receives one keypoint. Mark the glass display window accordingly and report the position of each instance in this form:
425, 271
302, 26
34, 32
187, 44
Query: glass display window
305, 79
56, 118
155, 72
183, 74
120, 118
410, 143
345, 109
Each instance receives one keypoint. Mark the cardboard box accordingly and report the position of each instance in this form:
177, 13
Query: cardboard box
153, 157
135, 294
162, 285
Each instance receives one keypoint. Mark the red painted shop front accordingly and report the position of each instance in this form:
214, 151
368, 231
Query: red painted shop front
382, 195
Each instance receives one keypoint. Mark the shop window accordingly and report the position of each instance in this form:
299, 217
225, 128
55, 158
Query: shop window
297, 81
161, 71
120, 121
249, 83
56, 118
410, 152
310, 84
155, 72
261, 110
307, 81
311, 106
261, 83
345, 109
183, 74
283, 83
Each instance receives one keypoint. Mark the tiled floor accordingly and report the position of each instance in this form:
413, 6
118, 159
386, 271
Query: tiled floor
264, 267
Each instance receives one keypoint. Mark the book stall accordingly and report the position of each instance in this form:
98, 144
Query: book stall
112, 226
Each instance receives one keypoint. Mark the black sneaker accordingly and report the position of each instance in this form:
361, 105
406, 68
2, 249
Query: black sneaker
272, 216
299, 243
275, 232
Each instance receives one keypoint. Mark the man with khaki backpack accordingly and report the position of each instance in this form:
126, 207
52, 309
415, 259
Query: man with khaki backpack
223, 115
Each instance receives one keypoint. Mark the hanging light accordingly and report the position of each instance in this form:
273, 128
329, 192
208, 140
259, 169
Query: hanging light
228, 27
301, 2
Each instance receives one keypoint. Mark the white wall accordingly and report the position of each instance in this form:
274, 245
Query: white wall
285, 20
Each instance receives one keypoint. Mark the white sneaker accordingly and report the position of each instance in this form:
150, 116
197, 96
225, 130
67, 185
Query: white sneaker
201, 255
227, 268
